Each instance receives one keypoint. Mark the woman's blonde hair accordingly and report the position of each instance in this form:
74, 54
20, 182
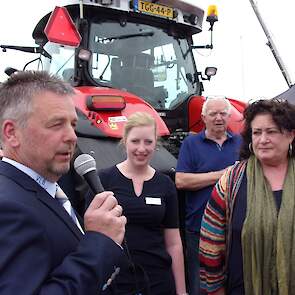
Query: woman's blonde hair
138, 119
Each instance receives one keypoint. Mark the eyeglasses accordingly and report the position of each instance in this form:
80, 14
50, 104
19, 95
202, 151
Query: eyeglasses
213, 114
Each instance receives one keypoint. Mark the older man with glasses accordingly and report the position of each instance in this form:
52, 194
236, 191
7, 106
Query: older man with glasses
202, 160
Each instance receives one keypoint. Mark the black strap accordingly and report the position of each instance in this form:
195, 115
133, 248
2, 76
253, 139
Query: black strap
141, 287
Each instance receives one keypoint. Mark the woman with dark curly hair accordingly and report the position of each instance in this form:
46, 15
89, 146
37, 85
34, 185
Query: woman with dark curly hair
247, 243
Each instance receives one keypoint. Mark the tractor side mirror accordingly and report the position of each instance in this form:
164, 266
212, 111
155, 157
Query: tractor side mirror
209, 72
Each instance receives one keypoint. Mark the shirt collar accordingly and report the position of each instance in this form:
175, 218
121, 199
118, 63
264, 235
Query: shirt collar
228, 134
50, 187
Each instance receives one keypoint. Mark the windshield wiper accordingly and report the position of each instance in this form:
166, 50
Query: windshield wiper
28, 49
143, 34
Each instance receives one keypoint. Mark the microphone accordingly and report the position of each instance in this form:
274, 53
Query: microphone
85, 166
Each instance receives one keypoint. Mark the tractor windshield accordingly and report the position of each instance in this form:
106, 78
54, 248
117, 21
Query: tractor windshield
149, 61
152, 61
62, 61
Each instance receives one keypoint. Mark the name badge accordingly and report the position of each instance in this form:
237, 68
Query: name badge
153, 201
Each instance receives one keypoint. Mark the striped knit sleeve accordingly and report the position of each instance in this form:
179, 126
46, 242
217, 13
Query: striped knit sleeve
212, 240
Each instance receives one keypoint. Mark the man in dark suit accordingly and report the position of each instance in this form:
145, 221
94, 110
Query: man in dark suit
44, 250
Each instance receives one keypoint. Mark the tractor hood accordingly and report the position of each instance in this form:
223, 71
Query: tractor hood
103, 111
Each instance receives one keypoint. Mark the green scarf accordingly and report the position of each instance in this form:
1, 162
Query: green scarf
268, 235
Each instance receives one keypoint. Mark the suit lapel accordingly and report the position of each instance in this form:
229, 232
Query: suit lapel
54, 205
31, 185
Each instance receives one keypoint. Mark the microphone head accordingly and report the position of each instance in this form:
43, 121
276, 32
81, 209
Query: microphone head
84, 163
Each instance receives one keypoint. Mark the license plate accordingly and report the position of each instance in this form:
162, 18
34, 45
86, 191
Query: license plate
155, 9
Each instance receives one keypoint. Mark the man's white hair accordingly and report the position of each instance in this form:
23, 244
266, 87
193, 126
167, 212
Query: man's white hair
215, 98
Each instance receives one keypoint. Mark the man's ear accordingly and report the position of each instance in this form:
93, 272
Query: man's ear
10, 133
203, 118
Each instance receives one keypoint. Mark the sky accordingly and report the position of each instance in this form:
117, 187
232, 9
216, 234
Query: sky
247, 69
246, 66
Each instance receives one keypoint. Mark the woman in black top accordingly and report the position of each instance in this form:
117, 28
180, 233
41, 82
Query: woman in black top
149, 202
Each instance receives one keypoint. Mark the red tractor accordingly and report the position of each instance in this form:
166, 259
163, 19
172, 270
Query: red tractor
124, 56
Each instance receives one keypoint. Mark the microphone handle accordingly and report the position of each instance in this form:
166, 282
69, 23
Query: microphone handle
94, 182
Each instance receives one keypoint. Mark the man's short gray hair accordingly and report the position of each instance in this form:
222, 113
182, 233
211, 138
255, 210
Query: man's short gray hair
215, 98
17, 92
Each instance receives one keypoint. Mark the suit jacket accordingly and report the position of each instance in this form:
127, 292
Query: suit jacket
42, 251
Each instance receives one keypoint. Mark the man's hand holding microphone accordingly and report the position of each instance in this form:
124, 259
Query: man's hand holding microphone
103, 215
